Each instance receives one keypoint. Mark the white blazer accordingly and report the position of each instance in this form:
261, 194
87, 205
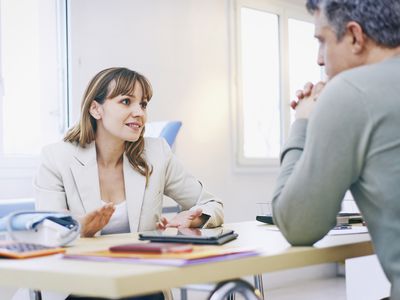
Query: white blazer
68, 180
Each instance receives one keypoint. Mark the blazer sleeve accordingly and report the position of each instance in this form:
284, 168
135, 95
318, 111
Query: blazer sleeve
189, 192
48, 185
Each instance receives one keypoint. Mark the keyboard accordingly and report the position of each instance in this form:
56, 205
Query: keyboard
10, 249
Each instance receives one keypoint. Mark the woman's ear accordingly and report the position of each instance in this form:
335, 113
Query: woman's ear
95, 110
358, 37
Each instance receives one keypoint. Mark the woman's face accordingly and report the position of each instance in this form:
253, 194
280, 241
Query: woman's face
123, 117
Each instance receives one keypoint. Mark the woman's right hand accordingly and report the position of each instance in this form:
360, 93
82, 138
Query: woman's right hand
96, 220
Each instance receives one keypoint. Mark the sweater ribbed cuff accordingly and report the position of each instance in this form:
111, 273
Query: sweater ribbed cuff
297, 137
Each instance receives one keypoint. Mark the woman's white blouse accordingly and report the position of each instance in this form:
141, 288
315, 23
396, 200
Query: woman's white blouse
119, 222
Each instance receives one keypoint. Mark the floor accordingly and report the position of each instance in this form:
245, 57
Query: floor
327, 288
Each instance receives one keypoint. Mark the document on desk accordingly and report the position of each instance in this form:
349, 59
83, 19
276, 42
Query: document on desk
199, 254
351, 230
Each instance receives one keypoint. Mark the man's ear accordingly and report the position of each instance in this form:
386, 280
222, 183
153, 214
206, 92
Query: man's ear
358, 36
95, 110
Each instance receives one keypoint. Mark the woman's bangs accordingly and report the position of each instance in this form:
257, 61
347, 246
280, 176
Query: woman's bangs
123, 85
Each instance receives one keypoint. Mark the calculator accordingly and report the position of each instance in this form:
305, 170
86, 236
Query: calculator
9, 249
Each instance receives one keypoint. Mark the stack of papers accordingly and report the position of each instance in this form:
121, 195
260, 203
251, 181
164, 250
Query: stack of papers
349, 230
200, 254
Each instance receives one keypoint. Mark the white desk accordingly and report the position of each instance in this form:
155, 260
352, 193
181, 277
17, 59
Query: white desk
115, 280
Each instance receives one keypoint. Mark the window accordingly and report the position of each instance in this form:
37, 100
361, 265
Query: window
274, 55
32, 81
260, 81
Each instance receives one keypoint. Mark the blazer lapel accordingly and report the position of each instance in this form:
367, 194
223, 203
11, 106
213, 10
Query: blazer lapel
86, 176
135, 185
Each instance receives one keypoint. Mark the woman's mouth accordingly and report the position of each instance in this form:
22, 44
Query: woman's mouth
134, 125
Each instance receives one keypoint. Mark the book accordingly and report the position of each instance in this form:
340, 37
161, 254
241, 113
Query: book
152, 248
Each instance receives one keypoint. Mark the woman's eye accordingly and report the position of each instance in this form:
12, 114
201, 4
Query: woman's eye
125, 101
144, 104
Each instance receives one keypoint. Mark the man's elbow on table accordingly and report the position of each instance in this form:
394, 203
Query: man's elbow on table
298, 235
301, 239
297, 227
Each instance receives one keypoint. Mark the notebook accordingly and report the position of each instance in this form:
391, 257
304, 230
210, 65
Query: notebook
211, 236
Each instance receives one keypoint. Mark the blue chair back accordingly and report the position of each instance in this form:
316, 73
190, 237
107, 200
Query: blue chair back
166, 129
170, 131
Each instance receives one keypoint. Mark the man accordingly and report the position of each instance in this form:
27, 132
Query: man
347, 136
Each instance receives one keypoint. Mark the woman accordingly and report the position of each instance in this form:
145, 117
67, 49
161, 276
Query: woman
106, 174
105, 169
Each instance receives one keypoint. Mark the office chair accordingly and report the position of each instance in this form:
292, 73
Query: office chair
166, 129
169, 131
13, 205
225, 290
258, 284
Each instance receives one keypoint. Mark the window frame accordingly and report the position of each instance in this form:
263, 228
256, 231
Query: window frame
21, 167
285, 10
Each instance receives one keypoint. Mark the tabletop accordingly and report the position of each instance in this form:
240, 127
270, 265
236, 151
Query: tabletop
115, 280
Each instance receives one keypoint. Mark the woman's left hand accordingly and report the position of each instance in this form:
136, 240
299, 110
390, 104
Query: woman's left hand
188, 218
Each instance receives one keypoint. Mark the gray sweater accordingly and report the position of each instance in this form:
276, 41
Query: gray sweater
351, 141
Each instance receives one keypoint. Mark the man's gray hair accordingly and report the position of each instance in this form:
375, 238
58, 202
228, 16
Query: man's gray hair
379, 19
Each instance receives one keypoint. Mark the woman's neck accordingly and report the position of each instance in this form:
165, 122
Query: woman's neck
109, 152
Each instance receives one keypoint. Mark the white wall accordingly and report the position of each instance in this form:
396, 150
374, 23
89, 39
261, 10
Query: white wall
182, 46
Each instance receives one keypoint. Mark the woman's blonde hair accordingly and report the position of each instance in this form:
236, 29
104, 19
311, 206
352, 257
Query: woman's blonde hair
99, 89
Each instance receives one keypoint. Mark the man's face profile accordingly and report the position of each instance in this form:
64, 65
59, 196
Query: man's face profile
336, 55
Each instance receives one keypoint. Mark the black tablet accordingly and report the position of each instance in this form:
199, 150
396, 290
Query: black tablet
213, 236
